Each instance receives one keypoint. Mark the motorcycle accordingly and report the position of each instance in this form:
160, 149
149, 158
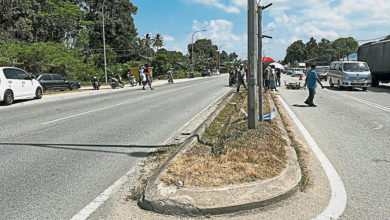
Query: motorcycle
132, 80
232, 78
95, 82
116, 81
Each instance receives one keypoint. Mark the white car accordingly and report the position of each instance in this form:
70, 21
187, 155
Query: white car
16, 84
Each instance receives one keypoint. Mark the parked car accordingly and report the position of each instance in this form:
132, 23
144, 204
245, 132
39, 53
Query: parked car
206, 72
322, 72
55, 82
352, 74
16, 84
298, 72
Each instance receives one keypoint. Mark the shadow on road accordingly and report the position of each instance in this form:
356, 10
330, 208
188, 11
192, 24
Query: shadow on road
301, 106
88, 147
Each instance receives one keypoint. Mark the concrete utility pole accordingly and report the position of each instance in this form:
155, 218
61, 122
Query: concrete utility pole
260, 63
192, 48
253, 122
104, 45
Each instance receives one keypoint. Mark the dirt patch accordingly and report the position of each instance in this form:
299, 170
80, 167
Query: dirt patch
153, 162
230, 153
302, 154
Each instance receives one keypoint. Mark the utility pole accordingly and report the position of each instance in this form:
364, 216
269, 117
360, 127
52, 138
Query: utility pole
253, 122
104, 45
260, 37
219, 57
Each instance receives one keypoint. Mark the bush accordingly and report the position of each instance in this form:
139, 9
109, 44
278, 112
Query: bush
46, 58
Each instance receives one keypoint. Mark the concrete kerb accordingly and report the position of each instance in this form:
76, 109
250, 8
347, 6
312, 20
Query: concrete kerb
220, 200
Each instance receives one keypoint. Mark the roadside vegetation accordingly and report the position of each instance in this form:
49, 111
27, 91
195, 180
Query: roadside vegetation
230, 153
65, 37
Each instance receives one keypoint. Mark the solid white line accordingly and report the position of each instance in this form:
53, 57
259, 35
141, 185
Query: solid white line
338, 200
84, 113
386, 109
96, 203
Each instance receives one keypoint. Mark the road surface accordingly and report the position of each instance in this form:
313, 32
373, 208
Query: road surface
57, 156
353, 129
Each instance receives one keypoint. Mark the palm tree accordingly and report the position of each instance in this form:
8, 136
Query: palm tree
148, 43
158, 41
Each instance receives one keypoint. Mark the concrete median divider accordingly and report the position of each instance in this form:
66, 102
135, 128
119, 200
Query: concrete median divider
200, 201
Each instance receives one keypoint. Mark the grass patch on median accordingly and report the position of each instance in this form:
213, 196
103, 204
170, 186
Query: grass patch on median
230, 153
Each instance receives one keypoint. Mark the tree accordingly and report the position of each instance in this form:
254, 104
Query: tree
345, 47
312, 48
205, 53
160, 64
325, 50
158, 41
233, 57
296, 52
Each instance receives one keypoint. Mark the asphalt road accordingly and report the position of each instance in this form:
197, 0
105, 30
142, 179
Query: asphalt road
353, 129
57, 156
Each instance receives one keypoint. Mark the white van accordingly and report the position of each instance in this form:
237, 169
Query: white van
16, 84
352, 74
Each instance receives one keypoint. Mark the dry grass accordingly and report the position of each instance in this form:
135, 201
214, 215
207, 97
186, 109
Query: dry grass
306, 180
229, 153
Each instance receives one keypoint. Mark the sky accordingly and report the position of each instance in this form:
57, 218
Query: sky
286, 21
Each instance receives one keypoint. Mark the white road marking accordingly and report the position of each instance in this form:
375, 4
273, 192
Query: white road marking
84, 113
96, 203
338, 200
386, 109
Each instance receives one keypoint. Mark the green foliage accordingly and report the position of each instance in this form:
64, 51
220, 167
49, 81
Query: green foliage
296, 52
45, 58
205, 54
160, 64
325, 50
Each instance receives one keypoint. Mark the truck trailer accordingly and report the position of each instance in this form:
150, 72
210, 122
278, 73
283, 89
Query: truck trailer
377, 56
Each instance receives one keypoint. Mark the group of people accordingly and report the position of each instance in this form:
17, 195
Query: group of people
271, 78
145, 77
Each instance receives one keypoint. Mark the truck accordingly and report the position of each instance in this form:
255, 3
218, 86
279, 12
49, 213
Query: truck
377, 56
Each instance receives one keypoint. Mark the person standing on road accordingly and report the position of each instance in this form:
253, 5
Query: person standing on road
311, 83
278, 75
148, 77
241, 76
140, 74
272, 79
267, 76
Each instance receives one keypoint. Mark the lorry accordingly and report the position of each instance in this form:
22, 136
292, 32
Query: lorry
377, 56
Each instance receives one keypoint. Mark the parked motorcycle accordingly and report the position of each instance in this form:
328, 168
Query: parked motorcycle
132, 80
116, 81
95, 82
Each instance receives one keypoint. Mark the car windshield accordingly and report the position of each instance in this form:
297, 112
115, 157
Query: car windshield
320, 70
355, 67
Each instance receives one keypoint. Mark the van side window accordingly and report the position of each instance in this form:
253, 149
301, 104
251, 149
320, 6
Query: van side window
336, 67
10, 74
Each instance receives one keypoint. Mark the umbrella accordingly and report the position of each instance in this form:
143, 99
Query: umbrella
277, 66
268, 60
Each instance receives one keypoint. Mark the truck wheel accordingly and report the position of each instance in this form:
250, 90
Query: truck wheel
374, 82
8, 97
364, 88
339, 84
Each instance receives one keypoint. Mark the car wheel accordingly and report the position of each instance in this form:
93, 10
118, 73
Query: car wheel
364, 88
73, 87
8, 97
331, 83
38, 93
339, 84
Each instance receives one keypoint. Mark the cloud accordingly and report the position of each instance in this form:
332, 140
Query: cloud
220, 31
168, 38
293, 20
229, 8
